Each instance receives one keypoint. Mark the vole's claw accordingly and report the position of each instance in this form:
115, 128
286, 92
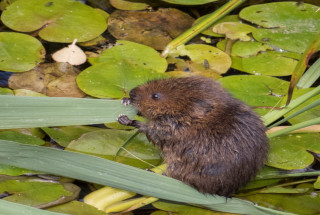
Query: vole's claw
125, 101
124, 120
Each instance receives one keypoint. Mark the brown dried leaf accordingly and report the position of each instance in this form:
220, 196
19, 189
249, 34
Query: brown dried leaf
52, 79
151, 28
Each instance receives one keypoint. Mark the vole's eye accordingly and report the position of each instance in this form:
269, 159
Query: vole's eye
155, 96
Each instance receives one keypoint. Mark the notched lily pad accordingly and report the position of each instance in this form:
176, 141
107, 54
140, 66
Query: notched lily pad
152, 28
37, 192
234, 30
52, 79
19, 52
121, 68
204, 60
54, 18
257, 91
285, 149
259, 59
287, 25
106, 143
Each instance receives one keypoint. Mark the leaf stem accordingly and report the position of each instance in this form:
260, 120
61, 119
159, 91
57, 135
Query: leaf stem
198, 28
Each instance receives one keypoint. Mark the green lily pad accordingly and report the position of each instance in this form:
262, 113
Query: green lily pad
36, 192
120, 69
19, 52
205, 59
248, 49
234, 30
209, 32
76, 207
54, 18
287, 25
308, 115
317, 183
64, 135
14, 171
129, 5
189, 2
175, 208
254, 58
106, 143
285, 149
5, 91
256, 90
20, 138
294, 203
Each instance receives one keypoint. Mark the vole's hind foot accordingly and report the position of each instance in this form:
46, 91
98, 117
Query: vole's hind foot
125, 101
124, 120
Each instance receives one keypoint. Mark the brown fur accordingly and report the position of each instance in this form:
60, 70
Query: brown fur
210, 140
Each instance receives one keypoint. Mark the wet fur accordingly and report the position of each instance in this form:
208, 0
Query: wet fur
210, 140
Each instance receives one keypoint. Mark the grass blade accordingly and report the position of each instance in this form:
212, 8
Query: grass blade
310, 76
28, 112
105, 172
10, 208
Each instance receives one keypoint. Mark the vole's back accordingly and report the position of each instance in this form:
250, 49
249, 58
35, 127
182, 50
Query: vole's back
210, 140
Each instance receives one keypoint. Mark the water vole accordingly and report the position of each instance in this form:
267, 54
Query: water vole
209, 139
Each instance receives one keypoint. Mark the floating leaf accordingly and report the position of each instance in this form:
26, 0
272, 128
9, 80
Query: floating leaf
120, 69
5, 91
20, 138
285, 149
64, 135
36, 192
129, 5
311, 114
71, 54
175, 208
256, 90
251, 57
287, 25
297, 204
106, 144
152, 28
234, 30
51, 79
19, 52
54, 18
76, 207
205, 60
189, 2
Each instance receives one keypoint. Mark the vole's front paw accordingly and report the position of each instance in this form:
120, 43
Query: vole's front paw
124, 120
125, 101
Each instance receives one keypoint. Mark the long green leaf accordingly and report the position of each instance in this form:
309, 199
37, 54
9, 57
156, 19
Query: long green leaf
310, 76
10, 208
28, 112
105, 172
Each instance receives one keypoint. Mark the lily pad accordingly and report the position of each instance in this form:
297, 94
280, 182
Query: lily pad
308, 115
189, 2
52, 79
5, 91
36, 192
204, 59
287, 25
252, 57
64, 135
152, 28
121, 68
19, 52
294, 203
14, 171
76, 207
256, 90
20, 138
129, 5
234, 30
106, 143
54, 18
175, 208
285, 149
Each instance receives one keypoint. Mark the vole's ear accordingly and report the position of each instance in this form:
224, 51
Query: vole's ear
201, 107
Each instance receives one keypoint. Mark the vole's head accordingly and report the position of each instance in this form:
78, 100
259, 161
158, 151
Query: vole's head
178, 98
